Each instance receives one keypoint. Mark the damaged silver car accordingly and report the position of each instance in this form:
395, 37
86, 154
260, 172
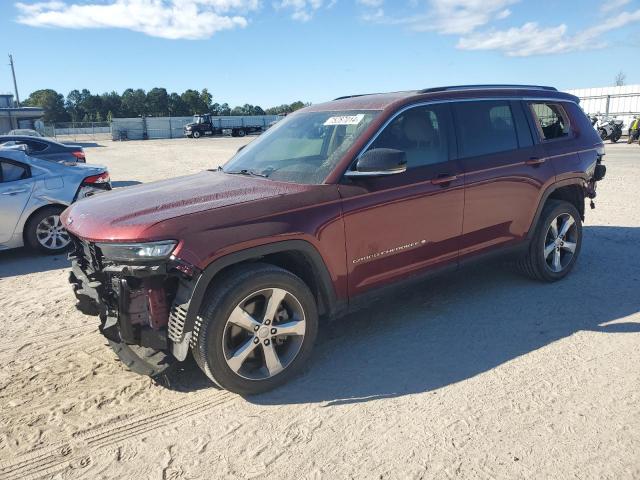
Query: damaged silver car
33, 194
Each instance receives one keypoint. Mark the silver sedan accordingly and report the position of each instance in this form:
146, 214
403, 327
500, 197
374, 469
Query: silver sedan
33, 194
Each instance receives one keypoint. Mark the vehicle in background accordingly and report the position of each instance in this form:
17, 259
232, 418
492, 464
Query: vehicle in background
326, 211
27, 132
608, 128
33, 194
207, 124
46, 148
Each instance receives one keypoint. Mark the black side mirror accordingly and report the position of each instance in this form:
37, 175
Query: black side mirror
379, 162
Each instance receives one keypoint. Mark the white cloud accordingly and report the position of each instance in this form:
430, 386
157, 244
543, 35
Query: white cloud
450, 16
303, 10
611, 6
371, 3
173, 19
531, 39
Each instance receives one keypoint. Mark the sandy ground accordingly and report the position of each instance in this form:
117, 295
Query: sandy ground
479, 374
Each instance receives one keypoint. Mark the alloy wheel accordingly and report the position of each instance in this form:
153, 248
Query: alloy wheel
560, 242
264, 334
51, 233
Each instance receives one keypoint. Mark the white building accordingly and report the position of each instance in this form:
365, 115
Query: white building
620, 102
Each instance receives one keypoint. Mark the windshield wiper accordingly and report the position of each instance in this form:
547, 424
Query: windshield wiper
249, 173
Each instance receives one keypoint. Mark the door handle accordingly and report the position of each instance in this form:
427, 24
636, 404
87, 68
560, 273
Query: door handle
444, 179
13, 192
535, 161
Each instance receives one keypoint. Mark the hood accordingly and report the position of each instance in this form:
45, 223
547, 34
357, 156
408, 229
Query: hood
124, 214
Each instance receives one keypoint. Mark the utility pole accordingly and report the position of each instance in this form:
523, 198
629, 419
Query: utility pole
15, 84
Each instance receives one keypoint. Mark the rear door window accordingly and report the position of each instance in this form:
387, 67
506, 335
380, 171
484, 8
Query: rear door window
35, 146
10, 171
551, 119
485, 127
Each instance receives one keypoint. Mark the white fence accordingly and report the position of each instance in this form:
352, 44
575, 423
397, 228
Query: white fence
173, 127
620, 102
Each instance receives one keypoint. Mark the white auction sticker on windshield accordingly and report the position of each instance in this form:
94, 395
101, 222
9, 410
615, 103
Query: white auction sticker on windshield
345, 120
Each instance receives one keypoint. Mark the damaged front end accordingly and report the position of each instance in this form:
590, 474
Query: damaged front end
140, 292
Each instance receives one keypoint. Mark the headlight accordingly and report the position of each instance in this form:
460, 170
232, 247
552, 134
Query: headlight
127, 252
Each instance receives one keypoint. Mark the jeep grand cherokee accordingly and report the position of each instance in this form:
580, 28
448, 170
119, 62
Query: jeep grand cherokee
336, 201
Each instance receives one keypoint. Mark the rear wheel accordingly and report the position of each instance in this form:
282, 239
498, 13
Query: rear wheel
615, 137
556, 243
257, 329
44, 231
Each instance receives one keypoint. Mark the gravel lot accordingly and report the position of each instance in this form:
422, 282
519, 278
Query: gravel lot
479, 374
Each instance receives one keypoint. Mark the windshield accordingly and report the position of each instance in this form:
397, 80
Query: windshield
302, 148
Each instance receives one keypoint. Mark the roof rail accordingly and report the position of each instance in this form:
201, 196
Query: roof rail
489, 86
354, 96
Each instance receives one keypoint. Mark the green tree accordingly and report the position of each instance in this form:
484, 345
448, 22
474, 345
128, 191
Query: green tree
111, 103
73, 105
52, 102
225, 110
206, 98
157, 102
194, 102
177, 107
134, 102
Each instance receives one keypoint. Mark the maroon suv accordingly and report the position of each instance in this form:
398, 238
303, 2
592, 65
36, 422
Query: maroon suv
336, 201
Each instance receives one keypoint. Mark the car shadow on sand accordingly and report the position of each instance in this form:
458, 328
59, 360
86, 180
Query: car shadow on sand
124, 183
22, 261
83, 144
454, 327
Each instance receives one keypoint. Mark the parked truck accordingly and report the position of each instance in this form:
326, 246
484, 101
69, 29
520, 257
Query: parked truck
207, 124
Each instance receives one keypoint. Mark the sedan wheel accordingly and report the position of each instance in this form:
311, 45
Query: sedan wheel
51, 234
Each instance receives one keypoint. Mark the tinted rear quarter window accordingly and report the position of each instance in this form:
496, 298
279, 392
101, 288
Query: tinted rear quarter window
551, 119
485, 127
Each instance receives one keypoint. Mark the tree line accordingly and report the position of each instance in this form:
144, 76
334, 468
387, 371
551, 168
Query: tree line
83, 106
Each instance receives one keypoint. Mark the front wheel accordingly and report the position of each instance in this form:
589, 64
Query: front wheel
556, 243
143, 360
615, 137
196, 134
603, 134
256, 330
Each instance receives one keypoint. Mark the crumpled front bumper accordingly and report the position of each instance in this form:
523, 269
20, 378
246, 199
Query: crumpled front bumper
136, 304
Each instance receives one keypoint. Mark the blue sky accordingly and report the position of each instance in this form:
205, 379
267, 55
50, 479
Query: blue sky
268, 52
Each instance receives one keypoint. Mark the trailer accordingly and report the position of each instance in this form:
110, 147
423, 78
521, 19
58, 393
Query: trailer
207, 124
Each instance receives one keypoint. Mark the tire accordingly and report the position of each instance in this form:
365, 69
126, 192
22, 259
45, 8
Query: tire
43, 222
218, 339
540, 267
616, 137
241, 133
196, 134
603, 134
143, 360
